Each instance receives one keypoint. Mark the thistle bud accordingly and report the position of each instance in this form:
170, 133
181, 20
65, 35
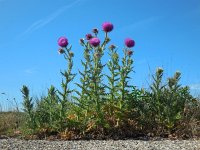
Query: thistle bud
115, 56
107, 40
159, 71
71, 54
130, 61
82, 41
88, 36
177, 75
129, 53
100, 49
97, 55
95, 31
112, 47
61, 51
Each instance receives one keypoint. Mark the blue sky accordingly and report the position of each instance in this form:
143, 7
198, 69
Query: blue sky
167, 34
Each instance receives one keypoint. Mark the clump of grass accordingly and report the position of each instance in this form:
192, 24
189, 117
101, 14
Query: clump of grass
11, 122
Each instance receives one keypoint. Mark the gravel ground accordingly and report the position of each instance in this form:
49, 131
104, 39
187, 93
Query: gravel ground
16, 144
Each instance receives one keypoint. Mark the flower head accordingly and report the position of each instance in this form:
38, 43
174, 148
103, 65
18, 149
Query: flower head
61, 51
107, 26
129, 42
88, 36
94, 42
63, 41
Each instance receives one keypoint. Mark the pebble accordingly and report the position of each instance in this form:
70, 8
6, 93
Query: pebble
17, 144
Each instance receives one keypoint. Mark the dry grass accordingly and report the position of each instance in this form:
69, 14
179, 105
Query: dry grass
10, 122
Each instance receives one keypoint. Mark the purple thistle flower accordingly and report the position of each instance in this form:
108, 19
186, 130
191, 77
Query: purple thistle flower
129, 42
94, 42
88, 36
63, 41
107, 26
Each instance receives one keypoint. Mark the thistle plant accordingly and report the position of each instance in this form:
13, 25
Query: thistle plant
84, 96
92, 87
84, 99
156, 101
120, 74
68, 77
96, 86
166, 101
175, 102
125, 69
113, 78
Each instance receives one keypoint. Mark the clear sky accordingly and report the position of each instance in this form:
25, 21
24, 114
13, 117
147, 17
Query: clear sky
167, 34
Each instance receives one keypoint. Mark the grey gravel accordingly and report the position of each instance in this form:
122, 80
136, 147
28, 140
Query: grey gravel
17, 144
